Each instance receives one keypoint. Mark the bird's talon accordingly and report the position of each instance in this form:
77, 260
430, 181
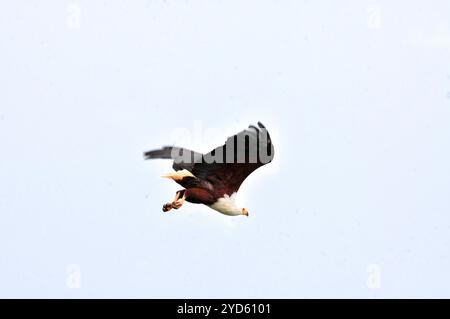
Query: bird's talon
176, 205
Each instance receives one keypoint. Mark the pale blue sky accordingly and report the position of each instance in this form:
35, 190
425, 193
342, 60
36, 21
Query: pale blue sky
356, 95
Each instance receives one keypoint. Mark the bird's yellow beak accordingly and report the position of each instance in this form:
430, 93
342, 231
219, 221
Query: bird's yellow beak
244, 212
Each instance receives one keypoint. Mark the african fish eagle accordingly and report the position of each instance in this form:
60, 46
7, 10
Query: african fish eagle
213, 179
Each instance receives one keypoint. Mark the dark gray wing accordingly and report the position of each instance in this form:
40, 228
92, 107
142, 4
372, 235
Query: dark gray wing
230, 164
182, 157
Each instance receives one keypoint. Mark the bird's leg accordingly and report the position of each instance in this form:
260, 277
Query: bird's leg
177, 195
179, 203
169, 206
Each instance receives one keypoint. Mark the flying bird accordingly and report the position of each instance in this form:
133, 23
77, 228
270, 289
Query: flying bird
213, 179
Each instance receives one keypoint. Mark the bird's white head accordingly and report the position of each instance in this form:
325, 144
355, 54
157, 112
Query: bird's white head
227, 205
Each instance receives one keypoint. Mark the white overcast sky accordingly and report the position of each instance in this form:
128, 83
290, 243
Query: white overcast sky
355, 93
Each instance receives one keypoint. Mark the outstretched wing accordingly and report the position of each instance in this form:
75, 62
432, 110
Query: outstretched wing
227, 166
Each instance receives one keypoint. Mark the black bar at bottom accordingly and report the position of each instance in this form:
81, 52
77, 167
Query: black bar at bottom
224, 308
